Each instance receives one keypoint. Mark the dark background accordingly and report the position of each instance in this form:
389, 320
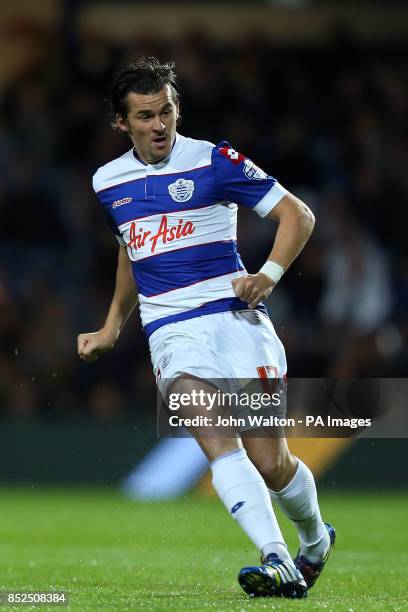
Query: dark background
315, 94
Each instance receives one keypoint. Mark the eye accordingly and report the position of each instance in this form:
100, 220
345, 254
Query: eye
167, 112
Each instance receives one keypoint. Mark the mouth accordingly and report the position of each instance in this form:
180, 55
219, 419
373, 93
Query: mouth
160, 141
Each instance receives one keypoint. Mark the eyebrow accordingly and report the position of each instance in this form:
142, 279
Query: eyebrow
148, 111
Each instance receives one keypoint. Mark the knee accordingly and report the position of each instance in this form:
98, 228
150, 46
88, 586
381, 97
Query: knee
277, 470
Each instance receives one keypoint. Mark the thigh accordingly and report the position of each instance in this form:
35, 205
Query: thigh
213, 440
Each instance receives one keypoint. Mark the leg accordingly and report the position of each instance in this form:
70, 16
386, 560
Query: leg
292, 486
236, 480
212, 444
272, 458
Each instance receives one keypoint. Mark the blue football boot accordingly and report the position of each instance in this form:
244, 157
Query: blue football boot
311, 571
274, 578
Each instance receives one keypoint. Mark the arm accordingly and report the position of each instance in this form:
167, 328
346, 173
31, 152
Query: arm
296, 222
91, 345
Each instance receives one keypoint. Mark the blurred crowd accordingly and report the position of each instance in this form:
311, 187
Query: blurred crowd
329, 122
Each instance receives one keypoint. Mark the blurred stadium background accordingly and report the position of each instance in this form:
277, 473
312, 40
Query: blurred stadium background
314, 92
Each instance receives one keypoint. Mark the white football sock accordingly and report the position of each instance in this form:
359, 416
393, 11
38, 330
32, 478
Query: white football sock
244, 493
298, 501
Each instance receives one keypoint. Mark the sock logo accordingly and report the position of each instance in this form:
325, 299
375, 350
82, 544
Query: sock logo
237, 506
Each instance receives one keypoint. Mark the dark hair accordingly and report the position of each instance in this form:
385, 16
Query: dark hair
145, 76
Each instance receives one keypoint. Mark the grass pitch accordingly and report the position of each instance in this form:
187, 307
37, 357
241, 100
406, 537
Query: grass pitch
111, 553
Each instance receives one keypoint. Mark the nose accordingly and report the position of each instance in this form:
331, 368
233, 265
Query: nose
158, 125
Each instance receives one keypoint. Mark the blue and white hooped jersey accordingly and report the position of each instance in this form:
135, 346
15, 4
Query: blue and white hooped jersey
178, 220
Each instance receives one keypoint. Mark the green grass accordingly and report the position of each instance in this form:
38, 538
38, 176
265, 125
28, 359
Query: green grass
110, 553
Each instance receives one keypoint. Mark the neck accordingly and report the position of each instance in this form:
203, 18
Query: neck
152, 161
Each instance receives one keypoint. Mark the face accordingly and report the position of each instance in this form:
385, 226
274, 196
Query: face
151, 123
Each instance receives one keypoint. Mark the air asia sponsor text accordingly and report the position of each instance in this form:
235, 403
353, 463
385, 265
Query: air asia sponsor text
138, 236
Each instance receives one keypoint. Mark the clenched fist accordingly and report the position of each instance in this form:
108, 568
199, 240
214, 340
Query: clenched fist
91, 345
252, 288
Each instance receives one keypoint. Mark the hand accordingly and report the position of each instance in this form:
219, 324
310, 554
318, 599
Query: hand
91, 345
252, 288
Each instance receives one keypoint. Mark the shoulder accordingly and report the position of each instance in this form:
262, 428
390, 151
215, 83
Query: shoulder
192, 153
225, 151
113, 172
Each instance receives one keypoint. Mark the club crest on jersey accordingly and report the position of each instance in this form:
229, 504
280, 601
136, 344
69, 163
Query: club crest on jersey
121, 202
252, 171
182, 190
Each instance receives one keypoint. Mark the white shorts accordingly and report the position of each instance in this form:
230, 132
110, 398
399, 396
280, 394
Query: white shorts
228, 345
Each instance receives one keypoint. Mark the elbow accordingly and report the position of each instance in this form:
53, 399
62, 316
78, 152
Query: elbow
293, 212
306, 219
311, 220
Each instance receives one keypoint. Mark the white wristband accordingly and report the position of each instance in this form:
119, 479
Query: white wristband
273, 270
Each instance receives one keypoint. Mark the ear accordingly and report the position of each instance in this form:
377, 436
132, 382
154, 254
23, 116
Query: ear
121, 123
178, 116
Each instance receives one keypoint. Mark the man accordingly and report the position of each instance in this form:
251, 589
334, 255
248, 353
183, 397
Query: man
171, 202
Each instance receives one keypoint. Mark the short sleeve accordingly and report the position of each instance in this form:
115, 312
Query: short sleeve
239, 180
114, 229
108, 218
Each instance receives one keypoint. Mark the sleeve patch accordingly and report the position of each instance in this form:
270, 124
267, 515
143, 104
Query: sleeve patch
237, 178
252, 171
234, 156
